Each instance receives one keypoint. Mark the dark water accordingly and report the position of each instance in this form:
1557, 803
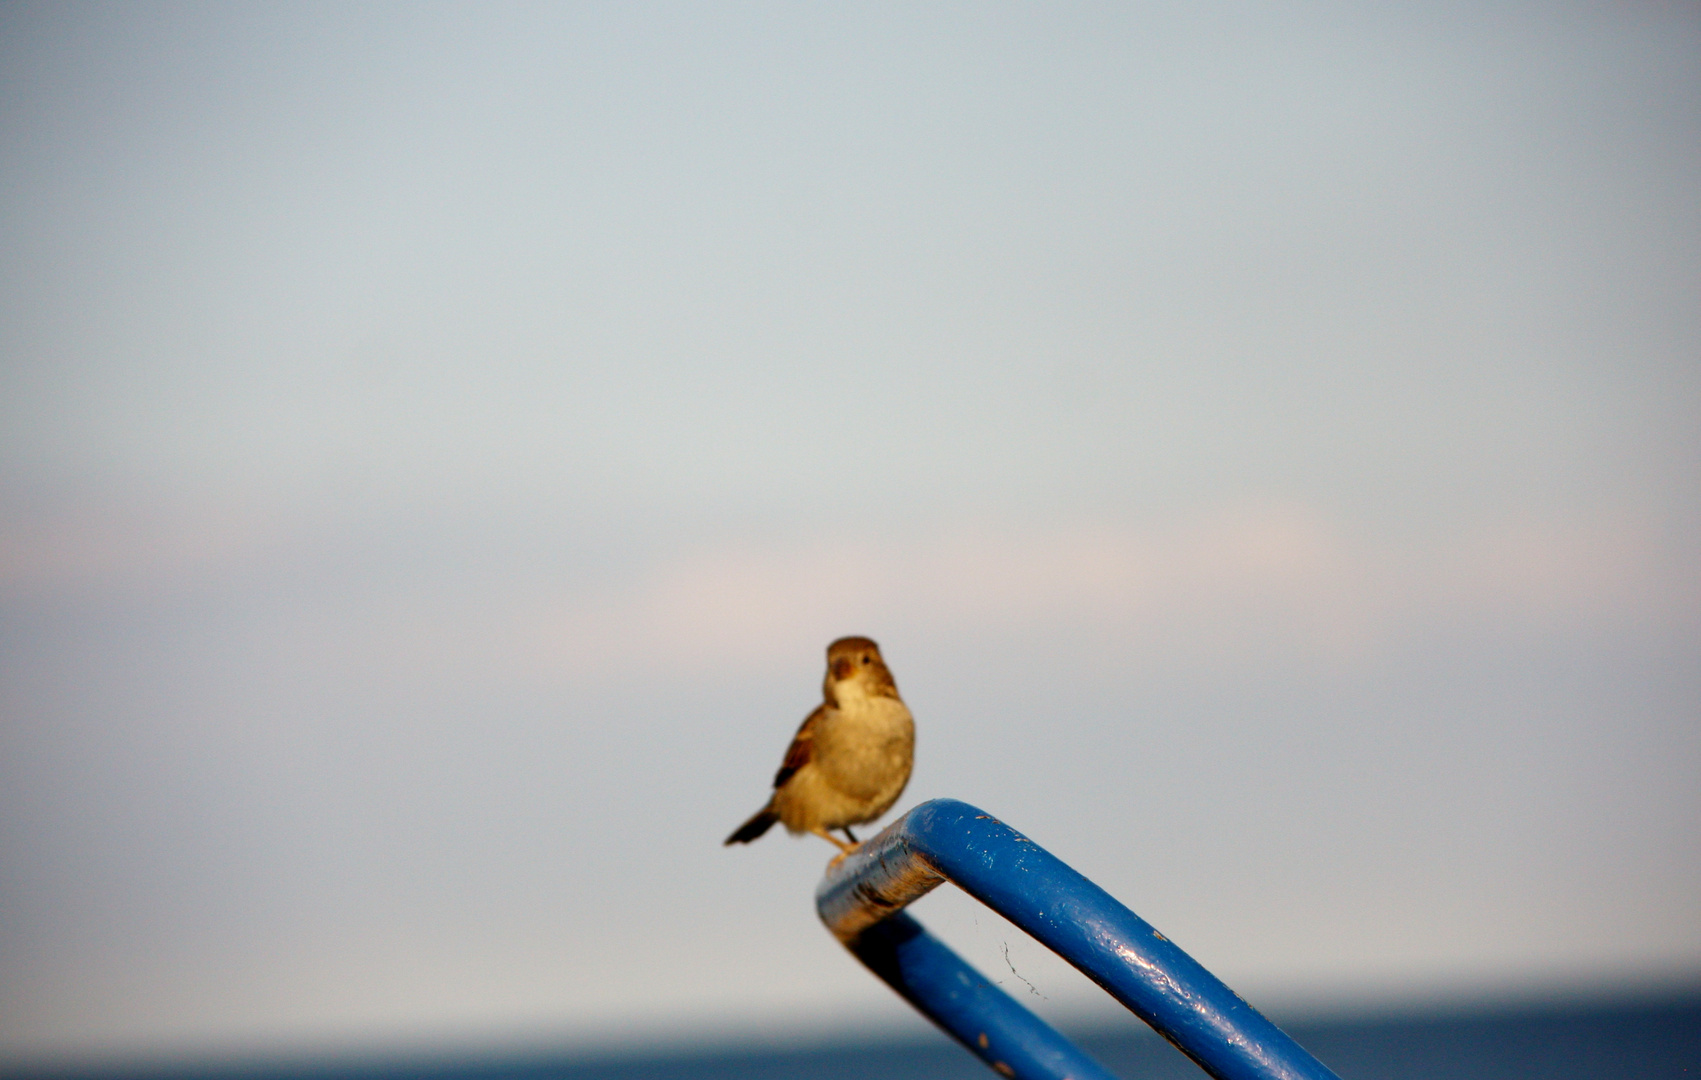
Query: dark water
1554, 1042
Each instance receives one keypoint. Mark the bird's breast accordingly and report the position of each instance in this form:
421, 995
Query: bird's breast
865, 747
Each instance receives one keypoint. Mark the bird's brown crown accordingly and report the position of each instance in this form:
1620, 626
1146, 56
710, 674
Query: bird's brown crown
850, 646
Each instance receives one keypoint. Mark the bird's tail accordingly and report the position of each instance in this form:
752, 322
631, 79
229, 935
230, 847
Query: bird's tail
755, 827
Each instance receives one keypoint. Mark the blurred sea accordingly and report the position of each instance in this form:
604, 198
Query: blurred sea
1647, 1038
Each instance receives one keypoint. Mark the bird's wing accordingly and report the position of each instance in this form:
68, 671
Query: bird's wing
797, 755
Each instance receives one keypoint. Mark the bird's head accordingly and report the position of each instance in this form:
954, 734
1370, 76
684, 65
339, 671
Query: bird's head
855, 670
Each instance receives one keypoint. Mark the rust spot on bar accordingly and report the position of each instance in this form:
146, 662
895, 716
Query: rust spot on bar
880, 878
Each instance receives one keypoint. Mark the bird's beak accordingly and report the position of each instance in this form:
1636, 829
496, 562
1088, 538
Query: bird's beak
842, 669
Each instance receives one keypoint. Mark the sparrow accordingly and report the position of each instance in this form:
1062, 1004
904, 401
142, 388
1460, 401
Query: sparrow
850, 759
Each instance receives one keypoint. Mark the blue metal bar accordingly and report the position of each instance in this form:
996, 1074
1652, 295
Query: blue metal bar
945, 840
959, 999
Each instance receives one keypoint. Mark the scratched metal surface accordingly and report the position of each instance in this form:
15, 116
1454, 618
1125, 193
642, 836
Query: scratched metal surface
949, 840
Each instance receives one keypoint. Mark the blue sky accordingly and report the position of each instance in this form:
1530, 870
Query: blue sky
437, 443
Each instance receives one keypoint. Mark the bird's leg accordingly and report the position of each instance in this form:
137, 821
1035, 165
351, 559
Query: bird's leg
835, 841
843, 851
844, 848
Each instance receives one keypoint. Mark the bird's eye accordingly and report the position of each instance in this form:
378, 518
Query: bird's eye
866, 660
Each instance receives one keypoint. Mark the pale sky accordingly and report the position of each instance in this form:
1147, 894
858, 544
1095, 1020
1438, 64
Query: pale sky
438, 442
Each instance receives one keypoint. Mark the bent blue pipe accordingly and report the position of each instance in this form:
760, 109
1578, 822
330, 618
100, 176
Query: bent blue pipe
861, 901
951, 993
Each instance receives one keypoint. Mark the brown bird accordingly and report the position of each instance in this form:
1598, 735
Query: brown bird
850, 759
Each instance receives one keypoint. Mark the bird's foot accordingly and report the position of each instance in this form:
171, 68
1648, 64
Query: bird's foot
845, 852
844, 848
